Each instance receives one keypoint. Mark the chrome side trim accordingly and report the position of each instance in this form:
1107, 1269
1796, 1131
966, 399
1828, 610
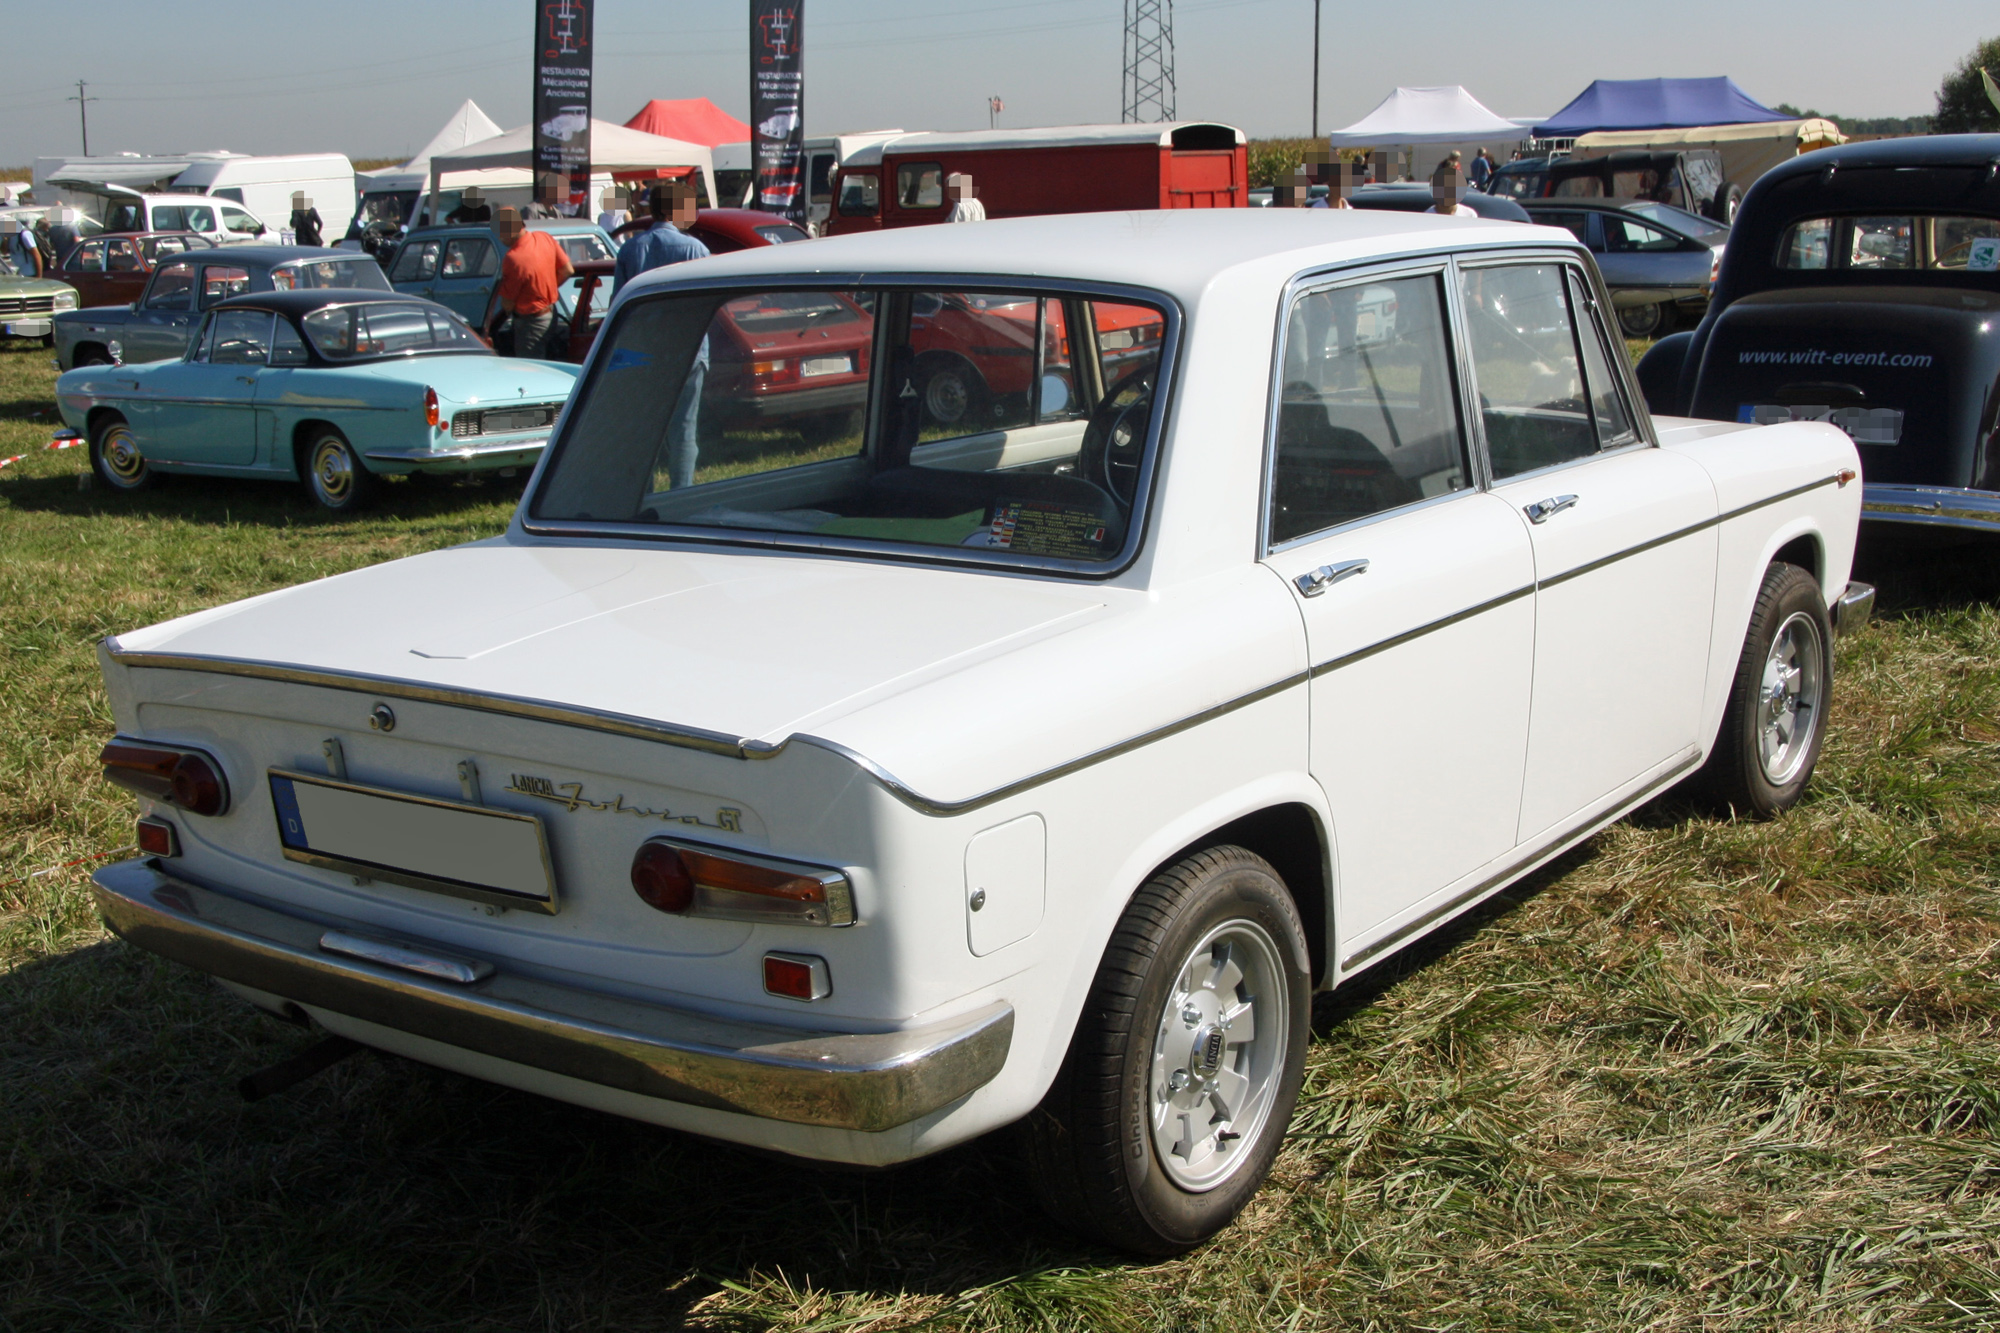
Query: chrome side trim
1548, 850
541, 710
1442, 622
1931, 506
1687, 531
844, 1080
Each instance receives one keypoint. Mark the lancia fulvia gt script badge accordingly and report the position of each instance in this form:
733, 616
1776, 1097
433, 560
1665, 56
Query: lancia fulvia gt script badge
569, 795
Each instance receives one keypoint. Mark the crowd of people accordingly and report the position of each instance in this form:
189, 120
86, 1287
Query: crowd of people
1327, 180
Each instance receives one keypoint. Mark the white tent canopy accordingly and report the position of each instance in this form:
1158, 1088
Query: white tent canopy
613, 148
1426, 115
466, 125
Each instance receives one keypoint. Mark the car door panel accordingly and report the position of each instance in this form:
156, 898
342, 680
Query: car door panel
1622, 535
1417, 596
205, 410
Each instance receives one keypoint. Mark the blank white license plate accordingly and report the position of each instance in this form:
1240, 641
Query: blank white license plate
468, 851
825, 365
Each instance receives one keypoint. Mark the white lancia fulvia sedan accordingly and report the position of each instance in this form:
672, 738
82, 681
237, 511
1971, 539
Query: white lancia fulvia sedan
853, 782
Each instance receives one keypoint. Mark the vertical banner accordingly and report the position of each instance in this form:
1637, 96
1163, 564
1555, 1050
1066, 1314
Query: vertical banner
778, 107
562, 96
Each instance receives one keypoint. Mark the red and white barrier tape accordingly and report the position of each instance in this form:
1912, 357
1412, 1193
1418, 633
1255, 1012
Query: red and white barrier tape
60, 443
67, 865
6, 462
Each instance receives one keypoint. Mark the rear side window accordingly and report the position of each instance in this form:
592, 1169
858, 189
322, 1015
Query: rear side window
199, 218
1625, 236
468, 257
860, 195
919, 185
219, 282
387, 328
169, 217
1884, 243
1367, 409
87, 258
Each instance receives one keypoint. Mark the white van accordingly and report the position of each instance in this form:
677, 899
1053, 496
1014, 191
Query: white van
217, 219
824, 159
265, 186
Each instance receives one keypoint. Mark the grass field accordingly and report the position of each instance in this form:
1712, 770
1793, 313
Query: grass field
1699, 1075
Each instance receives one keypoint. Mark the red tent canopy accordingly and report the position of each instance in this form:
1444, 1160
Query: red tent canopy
691, 120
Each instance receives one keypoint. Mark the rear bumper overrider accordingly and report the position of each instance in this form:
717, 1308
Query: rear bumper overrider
1851, 610
855, 1081
1931, 506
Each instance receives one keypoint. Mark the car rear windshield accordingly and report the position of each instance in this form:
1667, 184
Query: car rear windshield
1003, 425
1892, 243
387, 328
299, 275
584, 246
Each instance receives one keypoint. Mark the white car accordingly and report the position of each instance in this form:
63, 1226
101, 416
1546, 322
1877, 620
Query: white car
835, 780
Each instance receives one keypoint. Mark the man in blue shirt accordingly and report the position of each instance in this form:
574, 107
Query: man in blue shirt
664, 243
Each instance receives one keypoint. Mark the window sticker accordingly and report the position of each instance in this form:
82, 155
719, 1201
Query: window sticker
1984, 257
1043, 529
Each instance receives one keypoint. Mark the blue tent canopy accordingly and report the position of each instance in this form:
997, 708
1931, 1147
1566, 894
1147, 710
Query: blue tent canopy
1655, 104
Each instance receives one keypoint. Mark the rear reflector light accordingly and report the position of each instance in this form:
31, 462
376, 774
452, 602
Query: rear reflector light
158, 838
186, 778
797, 976
689, 879
431, 406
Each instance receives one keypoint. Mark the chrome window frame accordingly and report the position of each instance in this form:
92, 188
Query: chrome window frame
1437, 266
1165, 391
1642, 420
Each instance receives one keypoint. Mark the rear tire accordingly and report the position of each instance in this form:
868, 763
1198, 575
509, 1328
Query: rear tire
115, 456
334, 472
1775, 722
1180, 1081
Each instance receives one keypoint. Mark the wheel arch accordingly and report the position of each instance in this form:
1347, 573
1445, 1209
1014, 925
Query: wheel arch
1292, 836
96, 416
1797, 541
302, 432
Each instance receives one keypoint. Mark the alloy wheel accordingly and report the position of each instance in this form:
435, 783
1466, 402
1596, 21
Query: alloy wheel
1790, 698
1218, 1056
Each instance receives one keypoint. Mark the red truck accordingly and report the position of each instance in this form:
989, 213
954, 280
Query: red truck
900, 182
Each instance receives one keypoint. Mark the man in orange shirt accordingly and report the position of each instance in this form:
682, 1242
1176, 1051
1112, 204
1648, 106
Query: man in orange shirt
534, 268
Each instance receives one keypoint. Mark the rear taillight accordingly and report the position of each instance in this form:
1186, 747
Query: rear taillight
185, 778
688, 879
775, 372
431, 414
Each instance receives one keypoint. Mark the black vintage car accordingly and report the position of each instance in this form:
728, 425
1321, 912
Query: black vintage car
1861, 286
1690, 179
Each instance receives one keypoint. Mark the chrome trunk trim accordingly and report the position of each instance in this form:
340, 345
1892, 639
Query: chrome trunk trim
842, 1080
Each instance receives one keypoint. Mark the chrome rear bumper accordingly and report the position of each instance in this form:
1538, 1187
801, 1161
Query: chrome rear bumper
1932, 506
860, 1081
460, 457
1853, 607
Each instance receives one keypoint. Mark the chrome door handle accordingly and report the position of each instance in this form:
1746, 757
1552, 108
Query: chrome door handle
246, 379
1541, 510
1314, 582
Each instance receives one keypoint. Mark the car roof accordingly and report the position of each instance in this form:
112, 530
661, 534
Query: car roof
307, 300
258, 256
1183, 252
1927, 150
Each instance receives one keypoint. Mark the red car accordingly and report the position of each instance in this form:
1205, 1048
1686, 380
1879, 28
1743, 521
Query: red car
112, 269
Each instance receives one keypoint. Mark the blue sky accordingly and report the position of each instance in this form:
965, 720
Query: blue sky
375, 78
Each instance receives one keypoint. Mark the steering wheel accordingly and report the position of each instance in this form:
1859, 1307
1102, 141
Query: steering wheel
1115, 439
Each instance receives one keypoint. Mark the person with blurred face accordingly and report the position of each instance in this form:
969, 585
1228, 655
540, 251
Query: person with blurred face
531, 274
965, 206
667, 242
1447, 188
306, 221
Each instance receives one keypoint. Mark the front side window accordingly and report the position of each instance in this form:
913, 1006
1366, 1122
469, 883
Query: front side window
860, 195
1525, 361
87, 258
979, 421
919, 185
219, 282
1892, 243
1367, 415
172, 289
235, 220
1607, 403
307, 274
238, 338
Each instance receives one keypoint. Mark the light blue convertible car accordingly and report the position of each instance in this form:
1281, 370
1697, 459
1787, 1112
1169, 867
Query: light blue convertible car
329, 387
